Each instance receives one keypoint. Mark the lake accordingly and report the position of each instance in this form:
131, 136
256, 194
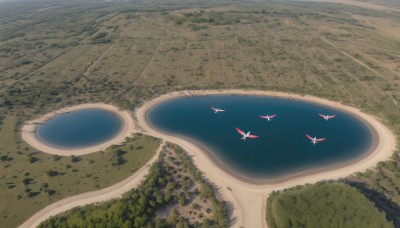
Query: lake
81, 128
282, 147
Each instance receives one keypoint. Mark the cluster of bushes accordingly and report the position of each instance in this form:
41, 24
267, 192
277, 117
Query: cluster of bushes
323, 205
206, 191
138, 207
101, 38
118, 158
382, 186
213, 18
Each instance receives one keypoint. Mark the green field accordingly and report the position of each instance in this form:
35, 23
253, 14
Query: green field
59, 53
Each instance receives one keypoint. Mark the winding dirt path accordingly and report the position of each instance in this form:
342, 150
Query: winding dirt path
363, 4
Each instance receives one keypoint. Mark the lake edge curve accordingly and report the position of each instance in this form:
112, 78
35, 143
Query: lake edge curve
28, 130
381, 148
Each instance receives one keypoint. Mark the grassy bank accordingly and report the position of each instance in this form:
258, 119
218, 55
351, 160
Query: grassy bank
32, 180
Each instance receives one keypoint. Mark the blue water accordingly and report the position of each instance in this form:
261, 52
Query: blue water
80, 128
282, 147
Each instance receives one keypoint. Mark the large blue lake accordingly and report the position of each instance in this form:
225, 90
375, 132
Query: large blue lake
282, 147
81, 128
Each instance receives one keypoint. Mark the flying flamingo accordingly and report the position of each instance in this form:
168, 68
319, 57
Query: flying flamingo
246, 135
216, 110
315, 140
326, 117
268, 117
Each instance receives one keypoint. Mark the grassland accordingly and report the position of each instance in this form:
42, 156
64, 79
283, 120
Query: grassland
32, 180
59, 53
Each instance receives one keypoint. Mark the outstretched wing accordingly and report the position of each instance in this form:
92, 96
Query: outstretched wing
264, 117
332, 116
240, 131
213, 108
273, 116
321, 115
253, 136
320, 140
222, 110
311, 138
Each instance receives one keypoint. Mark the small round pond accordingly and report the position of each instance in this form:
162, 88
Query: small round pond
80, 128
282, 147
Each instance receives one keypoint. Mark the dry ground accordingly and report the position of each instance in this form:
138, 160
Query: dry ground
60, 54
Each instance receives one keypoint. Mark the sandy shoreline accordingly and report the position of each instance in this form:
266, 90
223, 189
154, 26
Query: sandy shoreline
248, 199
28, 131
143, 121
249, 196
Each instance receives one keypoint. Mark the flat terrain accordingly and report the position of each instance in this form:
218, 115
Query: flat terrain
55, 54
341, 53
38, 179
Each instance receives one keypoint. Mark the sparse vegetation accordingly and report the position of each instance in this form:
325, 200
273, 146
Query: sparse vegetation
155, 203
51, 178
54, 54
